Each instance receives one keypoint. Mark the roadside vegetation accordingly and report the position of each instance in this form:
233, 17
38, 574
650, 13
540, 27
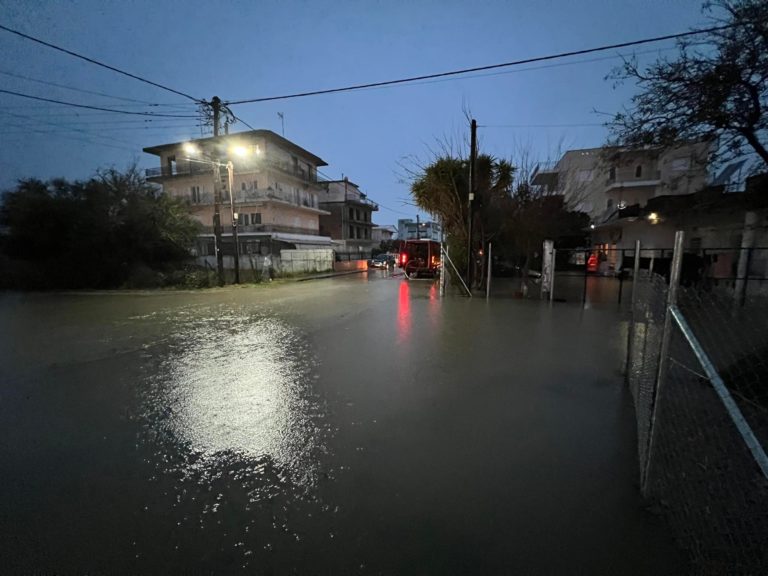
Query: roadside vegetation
114, 230
508, 211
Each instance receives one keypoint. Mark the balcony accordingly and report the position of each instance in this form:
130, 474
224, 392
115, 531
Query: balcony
613, 183
310, 177
252, 195
303, 200
179, 169
545, 174
192, 168
226, 228
362, 200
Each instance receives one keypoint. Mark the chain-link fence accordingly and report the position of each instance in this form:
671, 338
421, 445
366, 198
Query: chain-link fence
698, 374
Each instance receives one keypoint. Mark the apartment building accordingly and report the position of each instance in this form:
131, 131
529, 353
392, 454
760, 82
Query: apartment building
602, 181
408, 229
348, 217
275, 190
613, 186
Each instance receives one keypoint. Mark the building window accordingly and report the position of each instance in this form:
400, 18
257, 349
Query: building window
255, 217
612, 173
255, 184
351, 232
194, 192
243, 219
351, 213
639, 171
243, 186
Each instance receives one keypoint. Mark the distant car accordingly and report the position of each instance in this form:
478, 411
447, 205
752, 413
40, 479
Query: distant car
382, 261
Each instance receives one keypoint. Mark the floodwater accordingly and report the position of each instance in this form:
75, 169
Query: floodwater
352, 425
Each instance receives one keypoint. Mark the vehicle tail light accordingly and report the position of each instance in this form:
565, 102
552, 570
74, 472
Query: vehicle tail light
403, 259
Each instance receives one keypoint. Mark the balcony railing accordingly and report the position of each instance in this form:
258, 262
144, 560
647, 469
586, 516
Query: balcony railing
191, 168
362, 200
261, 195
622, 180
179, 169
258, 195
226, 228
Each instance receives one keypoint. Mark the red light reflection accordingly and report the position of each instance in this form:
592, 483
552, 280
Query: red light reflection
404, 311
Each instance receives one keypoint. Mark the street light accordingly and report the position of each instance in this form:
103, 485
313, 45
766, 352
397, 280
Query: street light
193, 150
230, 181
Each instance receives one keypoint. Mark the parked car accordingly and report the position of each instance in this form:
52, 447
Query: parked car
382, 261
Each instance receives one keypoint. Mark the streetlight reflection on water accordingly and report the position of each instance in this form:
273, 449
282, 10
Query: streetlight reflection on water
242, 386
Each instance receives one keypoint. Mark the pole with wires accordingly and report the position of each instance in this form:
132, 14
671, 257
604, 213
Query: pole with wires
472, 184
216, 106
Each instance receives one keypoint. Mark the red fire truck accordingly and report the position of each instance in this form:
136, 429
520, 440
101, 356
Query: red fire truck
420, 258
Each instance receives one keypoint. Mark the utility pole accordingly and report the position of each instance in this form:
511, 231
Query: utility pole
418, 228
472, 187
231, 182
216, 105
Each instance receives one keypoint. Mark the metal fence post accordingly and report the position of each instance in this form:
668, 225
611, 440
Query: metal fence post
488, 280
621, 275
632, 303
586, 267
674, 283
552, 275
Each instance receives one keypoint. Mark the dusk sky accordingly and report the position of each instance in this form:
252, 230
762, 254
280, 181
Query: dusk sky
240, 50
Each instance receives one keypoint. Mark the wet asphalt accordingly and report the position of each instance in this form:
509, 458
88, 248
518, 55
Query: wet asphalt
353, 425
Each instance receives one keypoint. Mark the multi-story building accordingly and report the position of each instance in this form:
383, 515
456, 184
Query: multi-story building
347, 217
275, 190
601, 181
612, 185
383, 233
408, 229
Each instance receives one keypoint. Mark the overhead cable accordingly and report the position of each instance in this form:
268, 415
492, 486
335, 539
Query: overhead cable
93, 92
482, 68
97, 63
89, 107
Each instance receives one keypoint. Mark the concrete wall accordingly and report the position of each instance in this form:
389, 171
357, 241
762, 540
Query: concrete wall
350, 265
305, 261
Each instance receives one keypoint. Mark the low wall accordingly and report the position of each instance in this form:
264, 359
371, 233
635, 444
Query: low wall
350, 265
305, 261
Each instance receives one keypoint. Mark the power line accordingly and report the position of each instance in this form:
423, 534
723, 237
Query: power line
88, 107
244, 122
487, 67
15, 115
83, 91
29, 129
97, 130
97, 63
584, 125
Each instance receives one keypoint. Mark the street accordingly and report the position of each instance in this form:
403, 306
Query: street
357, 424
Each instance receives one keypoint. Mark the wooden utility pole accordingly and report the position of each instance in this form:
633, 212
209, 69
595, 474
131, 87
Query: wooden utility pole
472, 187
216, 106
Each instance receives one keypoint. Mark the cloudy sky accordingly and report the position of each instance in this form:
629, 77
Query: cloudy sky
251, 49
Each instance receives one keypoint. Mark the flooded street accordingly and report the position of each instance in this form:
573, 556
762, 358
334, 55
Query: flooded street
351, 425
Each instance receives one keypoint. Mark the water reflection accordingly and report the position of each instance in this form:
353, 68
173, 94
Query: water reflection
404, 311
240, 386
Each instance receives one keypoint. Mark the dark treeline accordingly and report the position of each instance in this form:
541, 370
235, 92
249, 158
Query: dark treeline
111, 231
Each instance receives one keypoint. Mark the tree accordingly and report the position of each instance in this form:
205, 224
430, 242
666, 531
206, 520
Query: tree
93, 234
715, 90
442, 189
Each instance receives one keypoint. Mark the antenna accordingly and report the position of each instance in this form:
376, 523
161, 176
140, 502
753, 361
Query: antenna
282, 122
